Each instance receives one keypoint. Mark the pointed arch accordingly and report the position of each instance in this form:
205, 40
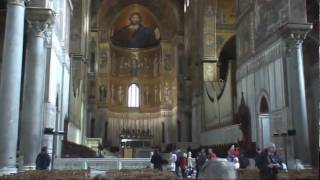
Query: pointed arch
134, 96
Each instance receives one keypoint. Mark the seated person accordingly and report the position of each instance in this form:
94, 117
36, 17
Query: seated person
269, 163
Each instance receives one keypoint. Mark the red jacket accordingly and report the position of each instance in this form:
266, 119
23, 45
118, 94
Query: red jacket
183, 163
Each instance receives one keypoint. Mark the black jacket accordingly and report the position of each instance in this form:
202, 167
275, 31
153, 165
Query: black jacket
43, 161
157, 161
263, 160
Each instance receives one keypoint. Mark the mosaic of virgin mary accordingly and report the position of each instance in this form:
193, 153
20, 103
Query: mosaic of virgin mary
135, 34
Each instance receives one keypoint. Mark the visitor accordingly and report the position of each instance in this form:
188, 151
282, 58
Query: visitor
156, 160
211, 154
269, 163
244, 161
232, 153
178, 153
190, 165
43, 159
151, 155
258, 152
299, 165
190, 159
184, 165
100, 148
236, 163
172, 162
200, 160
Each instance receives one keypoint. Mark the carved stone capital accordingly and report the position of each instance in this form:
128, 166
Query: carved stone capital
295, 34
48, 36
39, 21
36, 28
17, 2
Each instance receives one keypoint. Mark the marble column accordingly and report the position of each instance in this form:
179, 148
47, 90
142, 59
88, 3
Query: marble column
34, 84
10, 85
296, 89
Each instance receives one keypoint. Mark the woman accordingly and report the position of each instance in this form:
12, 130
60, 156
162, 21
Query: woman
211, 154
172, 162
184, 165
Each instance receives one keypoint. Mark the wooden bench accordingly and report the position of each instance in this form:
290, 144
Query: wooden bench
49, 175
306, 174
143, 174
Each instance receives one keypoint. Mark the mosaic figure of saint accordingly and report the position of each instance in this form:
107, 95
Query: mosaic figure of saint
136, 35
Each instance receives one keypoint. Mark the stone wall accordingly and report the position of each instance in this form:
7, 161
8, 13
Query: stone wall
58, 74
225, 135
209, 26
264, 56
79, 52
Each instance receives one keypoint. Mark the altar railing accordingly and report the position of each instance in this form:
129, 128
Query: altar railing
101, 164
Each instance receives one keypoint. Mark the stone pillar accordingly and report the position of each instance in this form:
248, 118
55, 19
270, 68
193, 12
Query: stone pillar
296, 89
10, 85
34, 85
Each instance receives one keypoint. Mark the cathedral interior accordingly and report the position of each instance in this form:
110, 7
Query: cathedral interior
134, 75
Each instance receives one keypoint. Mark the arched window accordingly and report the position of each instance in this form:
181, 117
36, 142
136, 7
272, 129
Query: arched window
133, 96
264, 109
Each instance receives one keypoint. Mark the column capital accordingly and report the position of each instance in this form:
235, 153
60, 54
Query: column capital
48, 36
294, 34
17, 2
39, 20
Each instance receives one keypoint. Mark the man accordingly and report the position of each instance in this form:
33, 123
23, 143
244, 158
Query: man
43, 159
200, 160
177, 163
156, 160
135, 35
100, 149
269, 163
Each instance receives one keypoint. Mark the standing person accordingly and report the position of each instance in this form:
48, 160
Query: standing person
232, 153
43, 159
200, 160
269, 163
178, 153
211, 154
244, 161
257, 155
172, 162
100, 148
184, 165
190, 159
151, 155
156, 160
190, 165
